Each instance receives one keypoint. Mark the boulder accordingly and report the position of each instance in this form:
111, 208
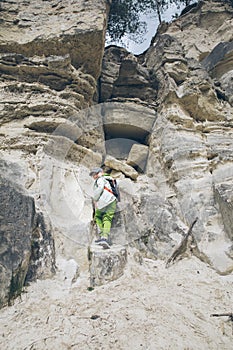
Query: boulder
27, 245
106, 265
138, 157
120, 166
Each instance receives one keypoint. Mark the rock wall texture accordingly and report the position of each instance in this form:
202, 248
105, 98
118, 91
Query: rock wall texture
50, 60
27, 245
160, 122
190, 142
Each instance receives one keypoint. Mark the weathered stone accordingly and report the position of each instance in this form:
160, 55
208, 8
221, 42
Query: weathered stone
202, 102
177, 70
39, 32
63, 149
112, 58
219, 64
124, 76
224, 197
164, 99
106, 265
119, 148
118, 233
202, 28
55, 74
168, 51
127, 120
220, 60
27, 246
42, 258
138, 157
133, 79
150, 224
118, 165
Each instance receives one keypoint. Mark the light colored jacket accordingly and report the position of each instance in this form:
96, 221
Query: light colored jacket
102, 196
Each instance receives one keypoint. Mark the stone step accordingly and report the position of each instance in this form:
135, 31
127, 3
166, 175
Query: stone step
106, 264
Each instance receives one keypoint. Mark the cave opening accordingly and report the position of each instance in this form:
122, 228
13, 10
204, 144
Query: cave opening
119, 139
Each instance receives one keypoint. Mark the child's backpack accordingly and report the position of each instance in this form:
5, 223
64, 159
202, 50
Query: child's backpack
114, 187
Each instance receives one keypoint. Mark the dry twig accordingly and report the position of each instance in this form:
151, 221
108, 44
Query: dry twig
182, 246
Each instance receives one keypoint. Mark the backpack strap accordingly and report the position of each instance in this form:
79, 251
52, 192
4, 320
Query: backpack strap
107, 189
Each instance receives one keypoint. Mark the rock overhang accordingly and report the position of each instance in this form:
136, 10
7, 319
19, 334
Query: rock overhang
128, 121
50, 28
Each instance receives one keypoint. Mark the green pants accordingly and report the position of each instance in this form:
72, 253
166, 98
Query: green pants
103, 218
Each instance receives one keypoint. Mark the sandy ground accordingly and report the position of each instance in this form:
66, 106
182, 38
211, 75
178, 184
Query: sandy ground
149, 307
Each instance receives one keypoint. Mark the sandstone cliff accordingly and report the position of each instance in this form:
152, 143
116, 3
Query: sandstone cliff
50, 60
161, 121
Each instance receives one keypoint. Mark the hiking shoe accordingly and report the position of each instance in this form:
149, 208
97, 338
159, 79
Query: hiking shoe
98, 240
103, 242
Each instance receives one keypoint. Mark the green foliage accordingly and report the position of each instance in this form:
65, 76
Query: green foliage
125, 16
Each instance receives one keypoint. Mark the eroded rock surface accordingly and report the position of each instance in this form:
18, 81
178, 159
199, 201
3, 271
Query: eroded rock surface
50, 60
27, 244
163, 128
106, 265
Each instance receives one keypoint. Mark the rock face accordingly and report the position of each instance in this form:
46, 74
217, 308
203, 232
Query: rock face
50, 60
56, 28
219, 63
27, 246
124, 76
163, 127
224, 198
193, 117
138, 157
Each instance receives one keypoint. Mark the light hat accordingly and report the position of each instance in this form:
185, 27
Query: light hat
95, 171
